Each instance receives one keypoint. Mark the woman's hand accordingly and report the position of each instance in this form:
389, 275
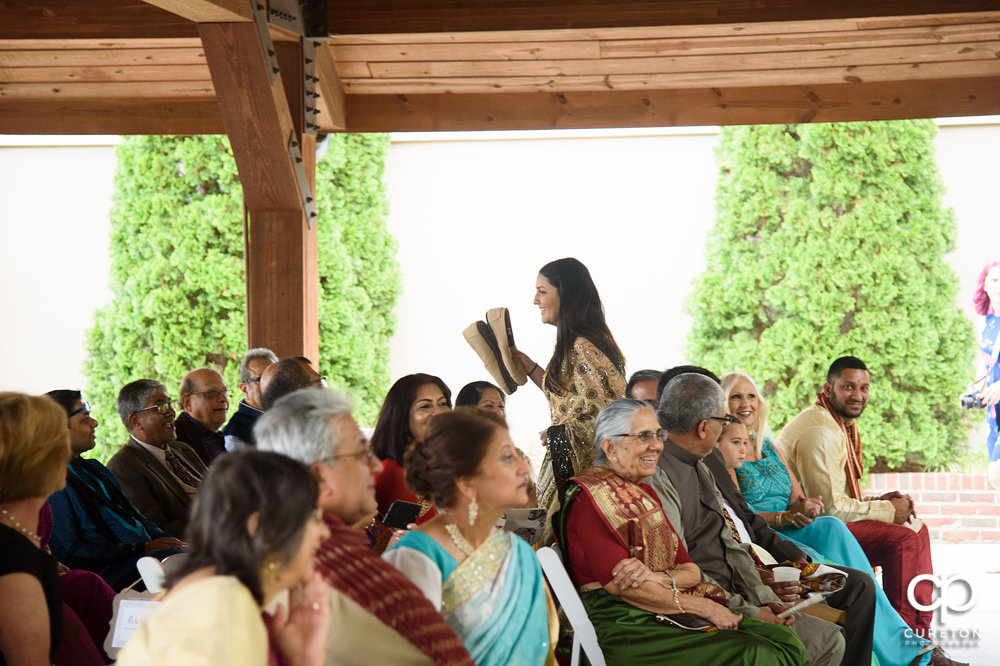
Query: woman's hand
301, 637
535, 372
630, 572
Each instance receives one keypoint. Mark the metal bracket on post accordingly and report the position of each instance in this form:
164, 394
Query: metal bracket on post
309, 92
303, 17
308, 204
260, 18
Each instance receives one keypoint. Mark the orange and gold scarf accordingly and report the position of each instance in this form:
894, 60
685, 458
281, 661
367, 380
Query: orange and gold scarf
639, 523
854, 467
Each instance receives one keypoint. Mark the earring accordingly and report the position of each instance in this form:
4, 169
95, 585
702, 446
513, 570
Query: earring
614, 458
473, 511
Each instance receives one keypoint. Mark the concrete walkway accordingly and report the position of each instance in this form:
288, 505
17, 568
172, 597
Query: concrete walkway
973, 635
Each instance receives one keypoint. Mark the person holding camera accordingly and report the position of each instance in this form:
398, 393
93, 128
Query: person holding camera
985, 391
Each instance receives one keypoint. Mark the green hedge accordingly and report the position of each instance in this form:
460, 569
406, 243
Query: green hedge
177, 272
830, 240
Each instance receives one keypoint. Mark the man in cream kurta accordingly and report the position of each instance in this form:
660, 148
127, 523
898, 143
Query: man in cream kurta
824, 448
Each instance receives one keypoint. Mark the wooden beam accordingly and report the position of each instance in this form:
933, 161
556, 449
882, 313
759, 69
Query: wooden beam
256, 114
207, 11
333, 105
111, 116
359, 17
282, 284
31, 20
669, 108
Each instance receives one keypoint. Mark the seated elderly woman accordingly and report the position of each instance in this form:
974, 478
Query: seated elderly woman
630, 565
253, 532
34, 450
487, 583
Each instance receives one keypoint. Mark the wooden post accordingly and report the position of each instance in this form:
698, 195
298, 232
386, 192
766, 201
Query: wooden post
281, 253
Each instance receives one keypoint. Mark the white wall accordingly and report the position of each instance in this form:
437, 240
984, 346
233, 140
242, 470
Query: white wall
54, 203
477, 218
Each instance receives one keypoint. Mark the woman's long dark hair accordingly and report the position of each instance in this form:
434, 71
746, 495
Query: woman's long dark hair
581, 315
392, 433
280, 490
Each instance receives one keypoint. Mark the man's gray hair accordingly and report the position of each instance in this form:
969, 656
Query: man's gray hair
688, 400
613, 421
252, 355
134, 397
298, 425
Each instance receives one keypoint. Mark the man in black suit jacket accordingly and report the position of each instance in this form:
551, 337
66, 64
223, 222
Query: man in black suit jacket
159, 475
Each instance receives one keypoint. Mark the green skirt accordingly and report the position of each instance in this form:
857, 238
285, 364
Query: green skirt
630, 635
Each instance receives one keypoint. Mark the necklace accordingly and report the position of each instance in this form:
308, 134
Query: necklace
458, 539
17, 525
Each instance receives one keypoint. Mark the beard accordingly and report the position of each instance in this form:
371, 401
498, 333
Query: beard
846, 411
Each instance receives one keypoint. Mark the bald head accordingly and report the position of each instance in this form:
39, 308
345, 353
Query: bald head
205, 397
284, 377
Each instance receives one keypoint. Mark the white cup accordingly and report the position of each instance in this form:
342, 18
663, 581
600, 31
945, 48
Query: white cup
785, 574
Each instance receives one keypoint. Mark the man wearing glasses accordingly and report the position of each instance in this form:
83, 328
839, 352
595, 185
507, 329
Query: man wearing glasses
375, 610
692, 413
239, 431
94, 526
205, 401
158, 474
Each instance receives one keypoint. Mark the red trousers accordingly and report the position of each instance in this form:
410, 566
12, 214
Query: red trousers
903, 555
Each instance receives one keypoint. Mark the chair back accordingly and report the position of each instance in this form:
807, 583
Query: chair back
151, 570
584, 634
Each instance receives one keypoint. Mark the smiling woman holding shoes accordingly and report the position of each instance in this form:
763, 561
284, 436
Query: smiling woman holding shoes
586, 371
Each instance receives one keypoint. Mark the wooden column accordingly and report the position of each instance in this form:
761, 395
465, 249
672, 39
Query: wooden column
281, 254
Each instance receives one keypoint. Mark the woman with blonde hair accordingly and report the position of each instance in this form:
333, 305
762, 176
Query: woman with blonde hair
34, 452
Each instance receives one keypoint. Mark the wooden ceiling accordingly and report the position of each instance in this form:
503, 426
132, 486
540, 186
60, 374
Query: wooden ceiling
134, 67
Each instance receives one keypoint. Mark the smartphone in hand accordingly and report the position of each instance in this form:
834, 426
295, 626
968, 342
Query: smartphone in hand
400, 514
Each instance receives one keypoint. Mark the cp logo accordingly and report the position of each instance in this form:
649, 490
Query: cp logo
944, 599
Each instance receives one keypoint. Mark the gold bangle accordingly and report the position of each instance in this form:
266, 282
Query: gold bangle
677, 600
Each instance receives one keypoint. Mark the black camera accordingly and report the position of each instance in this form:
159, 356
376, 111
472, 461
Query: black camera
970, 400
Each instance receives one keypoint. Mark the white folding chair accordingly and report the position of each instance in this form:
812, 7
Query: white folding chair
583, 629
151, 570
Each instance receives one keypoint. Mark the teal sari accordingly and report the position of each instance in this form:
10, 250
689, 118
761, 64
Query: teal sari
495, 600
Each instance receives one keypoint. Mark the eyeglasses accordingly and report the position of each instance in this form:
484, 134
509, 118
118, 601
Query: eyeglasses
647, 436
211, 393
321, 382
254, 380
85, 409
728, 419
365, 453
161, 407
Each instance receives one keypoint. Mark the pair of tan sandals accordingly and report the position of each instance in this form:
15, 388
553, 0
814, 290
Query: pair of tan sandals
493, 341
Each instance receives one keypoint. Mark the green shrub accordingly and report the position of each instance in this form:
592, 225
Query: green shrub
830, 240
178, 281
